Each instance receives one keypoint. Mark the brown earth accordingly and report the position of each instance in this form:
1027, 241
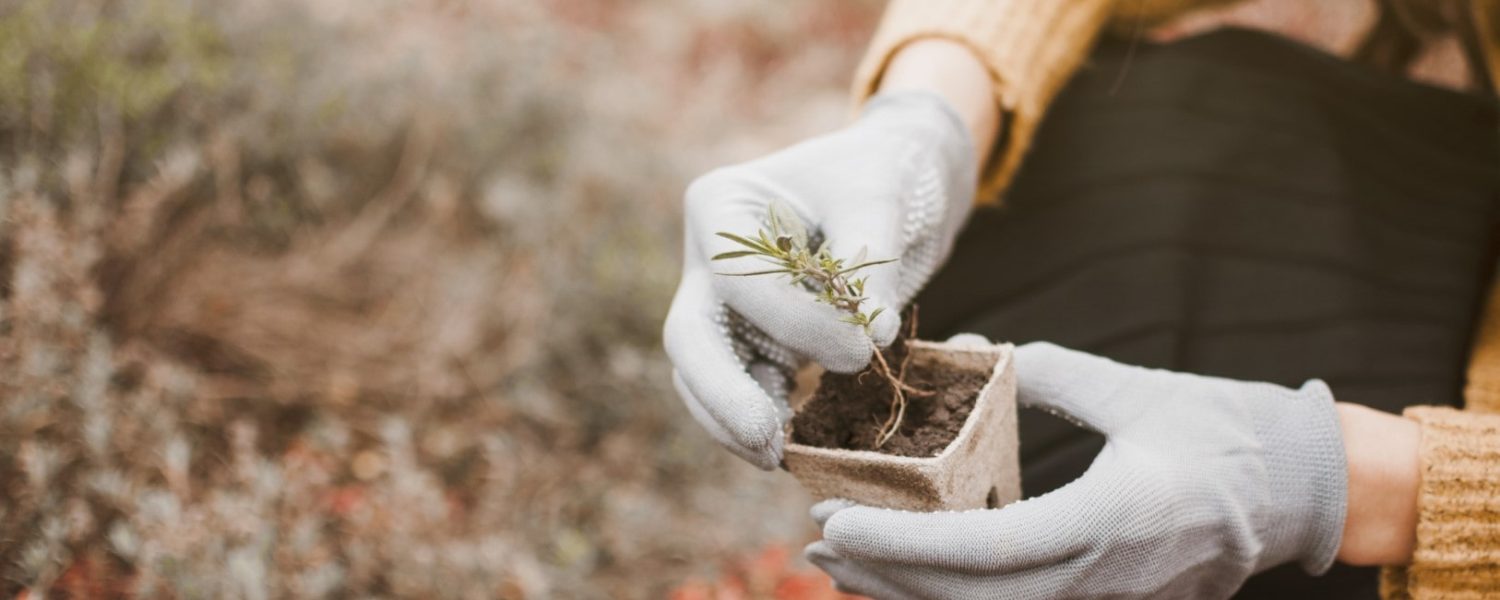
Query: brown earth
847, 411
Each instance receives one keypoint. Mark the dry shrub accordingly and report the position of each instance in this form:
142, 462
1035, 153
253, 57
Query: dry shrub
362, 298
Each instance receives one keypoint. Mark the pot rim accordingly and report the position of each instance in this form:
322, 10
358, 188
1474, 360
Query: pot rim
1004, 352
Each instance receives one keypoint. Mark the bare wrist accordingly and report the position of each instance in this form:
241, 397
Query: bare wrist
954, 72
1384, 474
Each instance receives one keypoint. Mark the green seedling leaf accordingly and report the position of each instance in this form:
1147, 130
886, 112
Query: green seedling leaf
873, 314
752, 244
865, 264
787, 222
735, 254
770, 272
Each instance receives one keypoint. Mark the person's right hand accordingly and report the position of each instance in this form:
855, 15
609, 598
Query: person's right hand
897, 183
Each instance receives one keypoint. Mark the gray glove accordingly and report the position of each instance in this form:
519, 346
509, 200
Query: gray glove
898, 183
1202, 483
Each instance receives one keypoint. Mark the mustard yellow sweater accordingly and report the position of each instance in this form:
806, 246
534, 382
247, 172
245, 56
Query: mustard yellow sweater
1032, 47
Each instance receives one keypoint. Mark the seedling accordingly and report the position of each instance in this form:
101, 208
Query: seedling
790, 251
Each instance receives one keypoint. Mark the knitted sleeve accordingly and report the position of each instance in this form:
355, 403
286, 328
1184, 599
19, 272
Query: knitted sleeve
1029, 47
1482, 382
1458, 507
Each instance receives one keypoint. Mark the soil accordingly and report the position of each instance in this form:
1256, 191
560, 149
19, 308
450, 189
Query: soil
847, 411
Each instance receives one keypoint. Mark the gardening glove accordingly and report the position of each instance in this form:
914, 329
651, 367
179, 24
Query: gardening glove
896, 184
1202, 483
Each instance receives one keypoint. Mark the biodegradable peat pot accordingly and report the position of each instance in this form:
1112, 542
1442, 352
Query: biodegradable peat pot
979, 468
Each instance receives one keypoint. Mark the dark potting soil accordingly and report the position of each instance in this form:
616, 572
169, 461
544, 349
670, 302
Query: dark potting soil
847, 410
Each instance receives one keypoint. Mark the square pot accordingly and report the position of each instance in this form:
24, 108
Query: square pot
980, 468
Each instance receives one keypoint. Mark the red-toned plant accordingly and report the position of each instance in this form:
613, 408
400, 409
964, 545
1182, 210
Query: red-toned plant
769, 575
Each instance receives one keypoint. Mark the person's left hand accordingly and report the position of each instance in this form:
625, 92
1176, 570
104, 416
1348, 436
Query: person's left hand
1202, 483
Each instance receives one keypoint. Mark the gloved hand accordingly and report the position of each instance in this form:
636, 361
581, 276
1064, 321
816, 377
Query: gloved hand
1202, 482
898, 183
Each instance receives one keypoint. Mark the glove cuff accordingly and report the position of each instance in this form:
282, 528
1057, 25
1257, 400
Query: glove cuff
918, 111
1308, 478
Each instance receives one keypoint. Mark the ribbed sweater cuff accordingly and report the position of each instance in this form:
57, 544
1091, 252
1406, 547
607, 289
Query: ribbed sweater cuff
1030, 48
1458, 509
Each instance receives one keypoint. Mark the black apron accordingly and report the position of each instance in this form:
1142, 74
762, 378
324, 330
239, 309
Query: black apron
1239, 205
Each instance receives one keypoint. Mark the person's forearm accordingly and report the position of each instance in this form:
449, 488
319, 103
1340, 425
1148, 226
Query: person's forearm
955, 73
1384, 472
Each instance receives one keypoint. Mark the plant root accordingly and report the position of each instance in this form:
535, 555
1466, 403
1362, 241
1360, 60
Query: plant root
898, 398
900, 391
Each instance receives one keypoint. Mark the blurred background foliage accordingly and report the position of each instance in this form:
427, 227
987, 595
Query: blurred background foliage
310, 298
